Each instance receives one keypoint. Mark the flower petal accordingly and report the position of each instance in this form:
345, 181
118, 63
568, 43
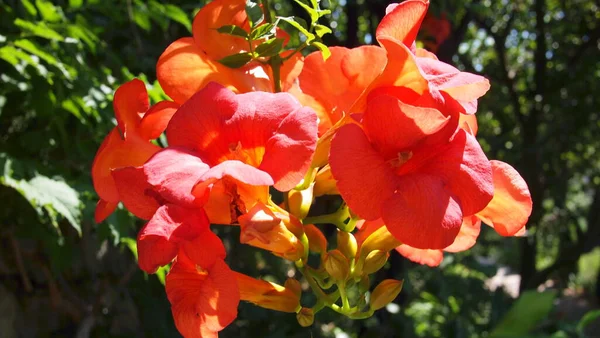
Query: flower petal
509, 209
467, 237
114, 152
135, 192
364, 179
235, 169
402, 21
423, 213
130, 103
158, 241
462, 165
173, 172
183, 69
393, 125
156, 119
428, 257
103, 210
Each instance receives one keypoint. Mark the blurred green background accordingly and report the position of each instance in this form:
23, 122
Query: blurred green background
62, 275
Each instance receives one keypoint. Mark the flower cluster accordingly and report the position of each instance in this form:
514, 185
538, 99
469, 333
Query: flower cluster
389, 128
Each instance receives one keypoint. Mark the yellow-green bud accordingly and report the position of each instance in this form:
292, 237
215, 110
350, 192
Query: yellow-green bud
294, 286
305, 317
385, 293
346, 243
375, 260
299, 202
364, 284
336, 265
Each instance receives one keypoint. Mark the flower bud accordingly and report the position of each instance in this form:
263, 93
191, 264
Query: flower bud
316, 239
346, 243
375, 260
268, 295
364, 284
385, 293
325, 184
336, 265
299, 201
262, 228
305, 317
293, 285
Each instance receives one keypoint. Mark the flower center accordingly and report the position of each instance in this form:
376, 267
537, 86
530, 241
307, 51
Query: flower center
402, 158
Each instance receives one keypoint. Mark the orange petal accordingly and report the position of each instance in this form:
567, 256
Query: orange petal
467, 236
266, 294
156, 119
214, 15
428, 257
337, 82
468, 123
402, 21
117, 153
509, 209
183, 69
130, 103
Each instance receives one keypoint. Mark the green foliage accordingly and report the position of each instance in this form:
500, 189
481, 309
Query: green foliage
525, 314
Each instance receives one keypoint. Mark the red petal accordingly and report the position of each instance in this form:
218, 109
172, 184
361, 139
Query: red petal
219, 297
364, 179
462, 165
205, 249
173, 172
159, 240
103, 210
129, 103
423, 213
156, 119
117, 153
511, 206
402, 21
393, 126
235, 169
296, 134
467, 237
135, 192
428, 257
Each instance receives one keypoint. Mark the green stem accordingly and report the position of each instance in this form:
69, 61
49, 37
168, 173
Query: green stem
267, 10
345, 303
276, 63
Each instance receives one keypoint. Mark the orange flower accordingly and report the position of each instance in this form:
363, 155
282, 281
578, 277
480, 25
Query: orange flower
269, 295
190, 63
225, 150
204, 297
273, 230
128, 144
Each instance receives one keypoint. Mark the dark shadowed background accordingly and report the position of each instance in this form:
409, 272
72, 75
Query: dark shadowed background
62, 275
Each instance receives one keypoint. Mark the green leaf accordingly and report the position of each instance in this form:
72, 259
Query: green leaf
293, 21
29, 7
178, 15
32, 48
262, 30
48, 11
236, 60
525, 314
270, 48
233, 30
14, 55
38, 29
587, 319
131, 244
312, 12
75, 3
48, 197
255, 13
161, 273
323, 48
321, 30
